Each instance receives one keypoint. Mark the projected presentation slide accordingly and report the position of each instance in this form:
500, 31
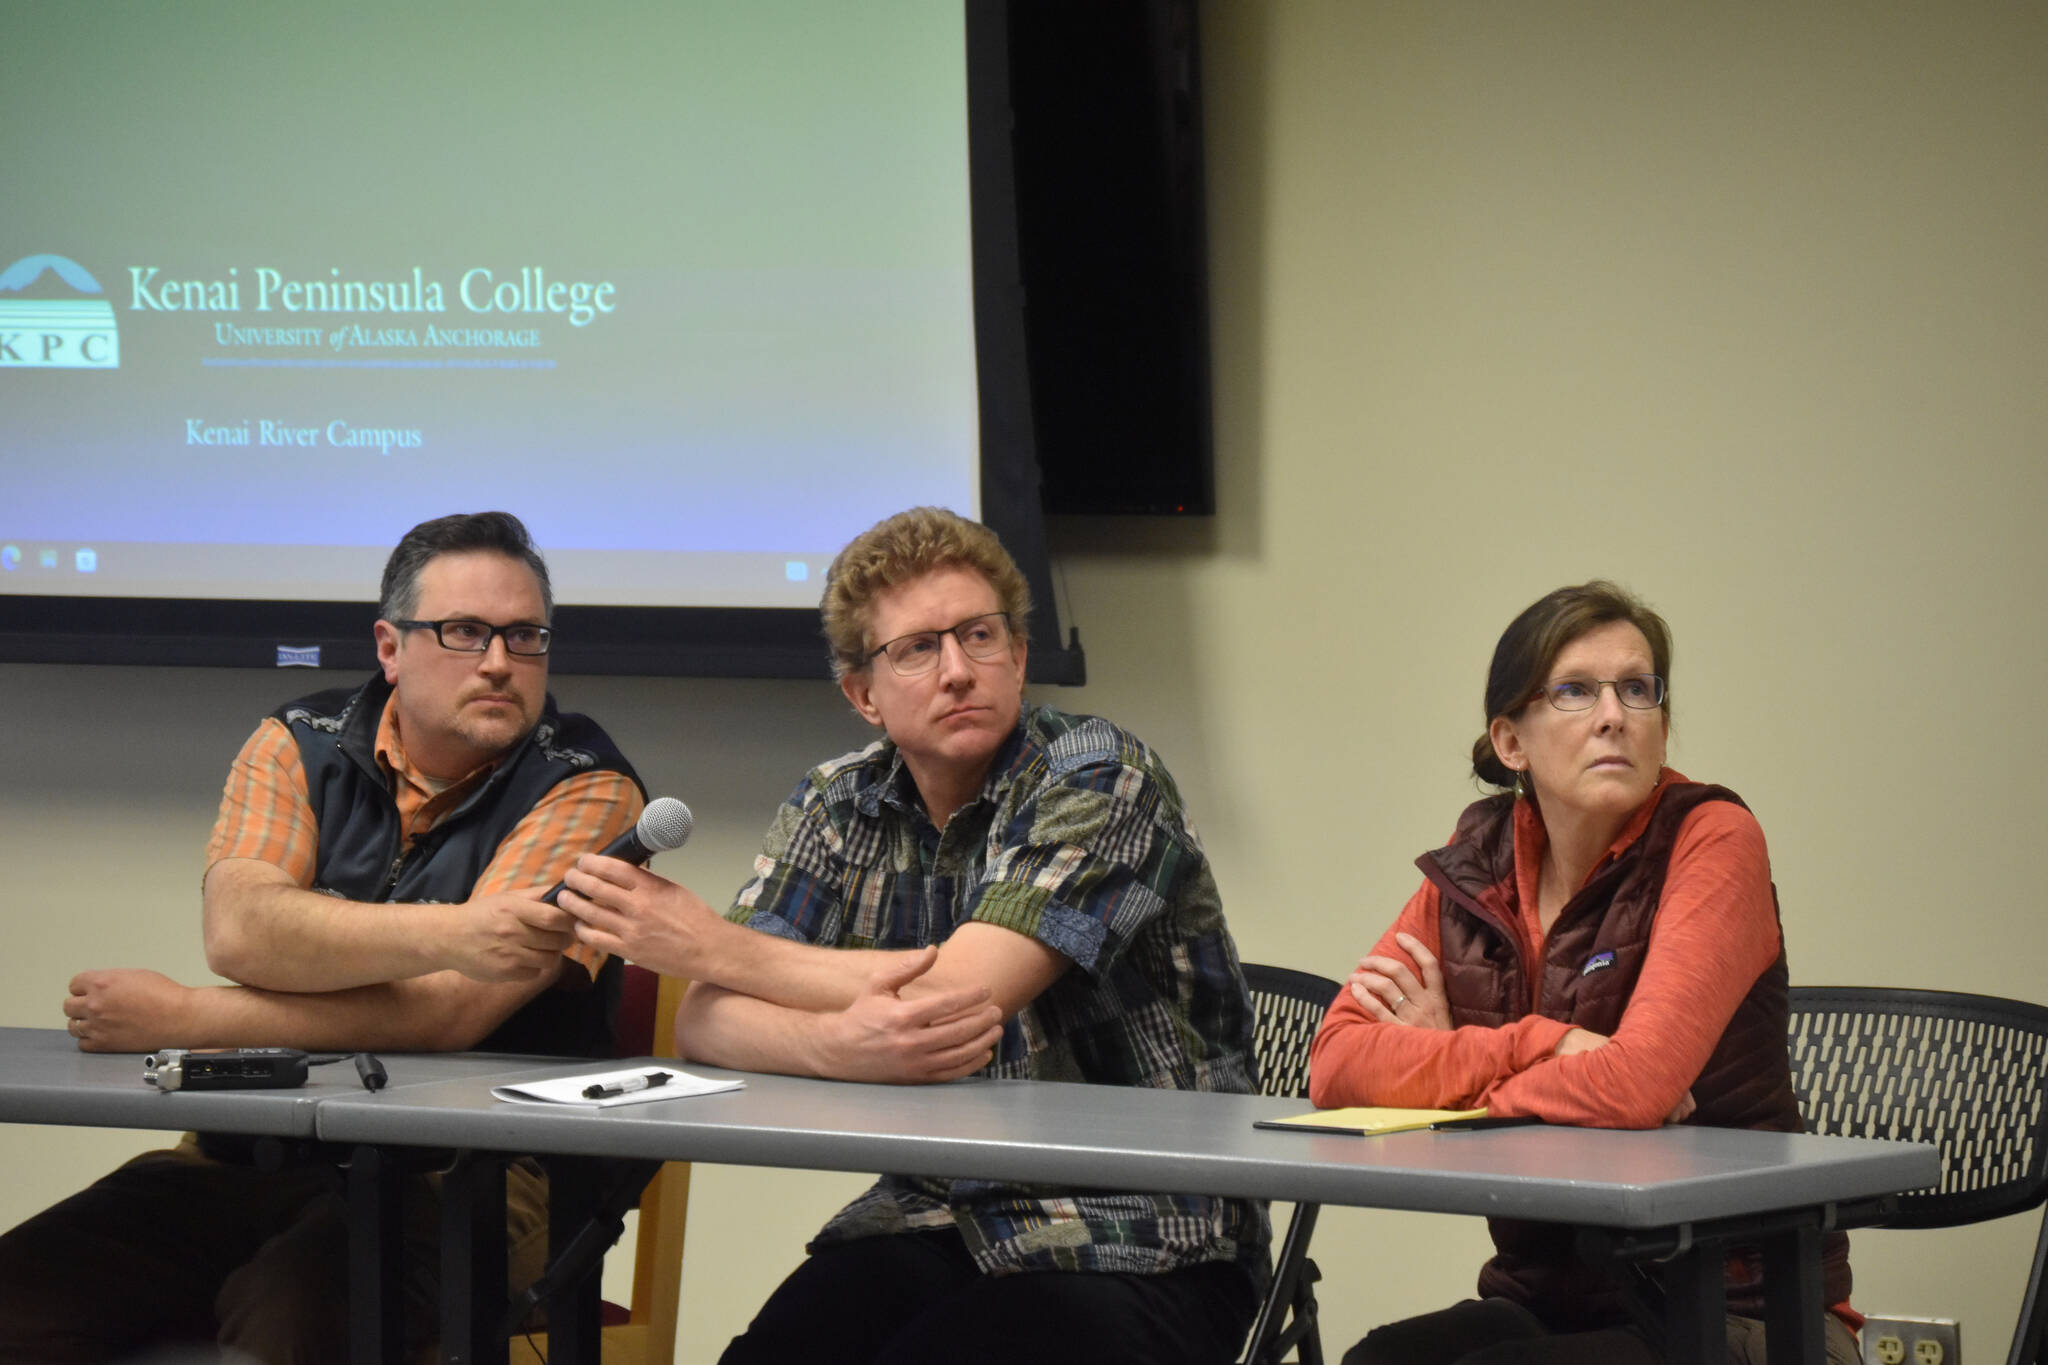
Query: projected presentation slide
686, 285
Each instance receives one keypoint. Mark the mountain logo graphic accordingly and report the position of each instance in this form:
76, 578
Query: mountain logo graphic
54, 315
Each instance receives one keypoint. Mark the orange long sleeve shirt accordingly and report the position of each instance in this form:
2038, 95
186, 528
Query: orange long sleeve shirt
1716, 931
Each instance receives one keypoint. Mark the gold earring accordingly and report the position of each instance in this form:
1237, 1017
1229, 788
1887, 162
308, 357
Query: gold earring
1519, 793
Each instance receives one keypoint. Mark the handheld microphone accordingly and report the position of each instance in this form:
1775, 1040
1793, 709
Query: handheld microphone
663, 826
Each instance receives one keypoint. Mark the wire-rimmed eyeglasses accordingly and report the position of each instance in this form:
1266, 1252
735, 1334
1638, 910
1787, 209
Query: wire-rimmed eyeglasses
980, 637
1642, 692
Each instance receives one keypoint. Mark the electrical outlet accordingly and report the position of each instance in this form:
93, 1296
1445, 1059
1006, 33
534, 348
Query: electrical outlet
1912, 1341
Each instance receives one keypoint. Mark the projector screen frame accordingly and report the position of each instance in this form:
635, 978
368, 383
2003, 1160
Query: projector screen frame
760, 642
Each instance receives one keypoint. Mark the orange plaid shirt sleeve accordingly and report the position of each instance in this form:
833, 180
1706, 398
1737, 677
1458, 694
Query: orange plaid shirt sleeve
578, 815
266, 814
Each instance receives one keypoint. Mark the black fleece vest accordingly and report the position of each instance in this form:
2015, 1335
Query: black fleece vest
1592, 959
360, 835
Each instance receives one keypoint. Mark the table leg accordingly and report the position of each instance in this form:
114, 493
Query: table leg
1696, 1306
473, 1284
575, 1309
1793, 1326
376, 1188
1693, 1258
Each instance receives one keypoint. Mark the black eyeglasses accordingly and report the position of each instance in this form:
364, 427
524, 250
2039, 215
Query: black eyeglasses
474, 637
980, 637
1643, 692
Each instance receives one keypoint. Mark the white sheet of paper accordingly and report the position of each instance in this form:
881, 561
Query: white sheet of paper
570, 1089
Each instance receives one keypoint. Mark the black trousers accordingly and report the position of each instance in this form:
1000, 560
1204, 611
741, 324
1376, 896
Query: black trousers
1502, 1332
175, 1248
917, 1297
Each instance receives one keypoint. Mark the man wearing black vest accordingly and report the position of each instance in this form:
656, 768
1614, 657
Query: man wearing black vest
371, 884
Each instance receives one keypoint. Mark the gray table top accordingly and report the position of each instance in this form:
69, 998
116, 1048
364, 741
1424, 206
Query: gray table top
44, 1078
1117, 1138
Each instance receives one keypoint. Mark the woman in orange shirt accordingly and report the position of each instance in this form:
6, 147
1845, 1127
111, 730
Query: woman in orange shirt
1598, 944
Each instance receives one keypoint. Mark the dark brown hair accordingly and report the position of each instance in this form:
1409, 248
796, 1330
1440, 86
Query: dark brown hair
1532, 642
498, 532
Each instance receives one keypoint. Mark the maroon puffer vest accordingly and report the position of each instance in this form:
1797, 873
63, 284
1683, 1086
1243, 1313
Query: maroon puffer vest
1591, 961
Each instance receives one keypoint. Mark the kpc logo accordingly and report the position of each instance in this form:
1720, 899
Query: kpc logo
44, 324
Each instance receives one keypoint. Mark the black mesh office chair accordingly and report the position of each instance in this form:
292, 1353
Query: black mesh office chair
1966, 1073
1288, 1006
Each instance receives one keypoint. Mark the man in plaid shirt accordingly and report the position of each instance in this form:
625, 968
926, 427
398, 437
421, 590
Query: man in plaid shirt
371, 883
989, 888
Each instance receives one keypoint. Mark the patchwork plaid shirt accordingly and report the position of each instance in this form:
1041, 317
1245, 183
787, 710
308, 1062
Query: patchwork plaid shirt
1078, 839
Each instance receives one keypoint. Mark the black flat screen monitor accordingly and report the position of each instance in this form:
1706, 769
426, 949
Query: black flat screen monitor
698, 289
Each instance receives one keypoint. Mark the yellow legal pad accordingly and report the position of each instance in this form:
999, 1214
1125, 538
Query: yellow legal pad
1368, 1122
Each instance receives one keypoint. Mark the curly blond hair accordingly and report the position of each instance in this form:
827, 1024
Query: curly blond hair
898, 549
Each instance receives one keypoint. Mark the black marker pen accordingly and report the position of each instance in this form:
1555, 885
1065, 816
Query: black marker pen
626, 1087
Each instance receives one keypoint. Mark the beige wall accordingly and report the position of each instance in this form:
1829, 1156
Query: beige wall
1746, 309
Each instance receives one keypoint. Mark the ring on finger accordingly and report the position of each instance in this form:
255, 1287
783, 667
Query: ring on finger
1399, 1001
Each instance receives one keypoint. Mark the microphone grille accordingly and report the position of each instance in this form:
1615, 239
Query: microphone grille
665, 824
